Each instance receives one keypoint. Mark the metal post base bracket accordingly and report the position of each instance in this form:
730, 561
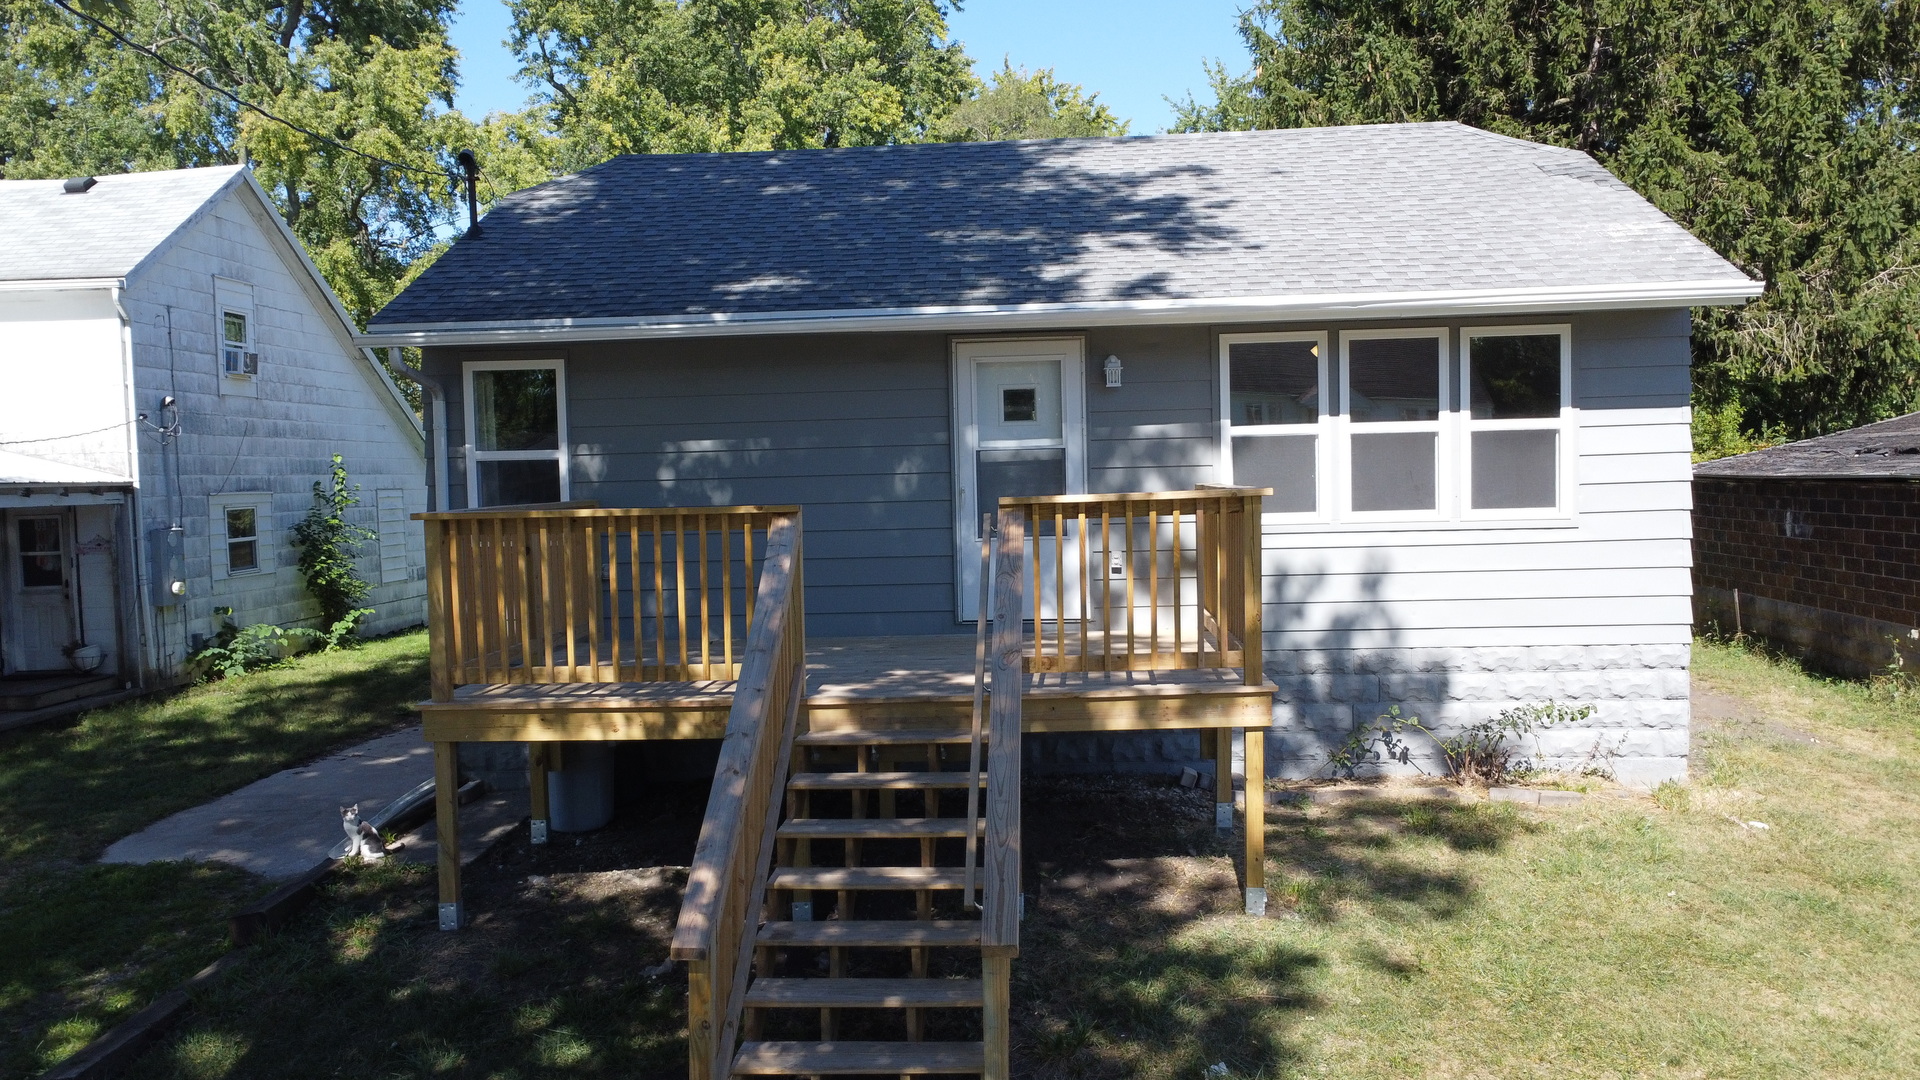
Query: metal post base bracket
1256, 901
539, 830
1223, 816
452, 916
803, 911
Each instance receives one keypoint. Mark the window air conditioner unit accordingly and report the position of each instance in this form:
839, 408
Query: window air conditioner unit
242, 363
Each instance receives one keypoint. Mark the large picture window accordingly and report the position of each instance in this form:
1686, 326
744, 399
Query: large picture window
1518, 384
1394, 396
516, 433
1275, 404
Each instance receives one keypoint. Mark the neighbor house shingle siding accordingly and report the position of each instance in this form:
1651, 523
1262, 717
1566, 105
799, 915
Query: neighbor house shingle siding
1406, 208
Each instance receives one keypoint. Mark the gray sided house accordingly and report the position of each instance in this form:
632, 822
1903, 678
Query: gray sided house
1813, 546
177, 376
1460, 360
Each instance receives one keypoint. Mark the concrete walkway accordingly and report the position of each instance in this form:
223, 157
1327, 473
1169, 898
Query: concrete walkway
282, 825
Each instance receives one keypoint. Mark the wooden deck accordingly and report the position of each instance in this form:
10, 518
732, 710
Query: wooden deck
884, 682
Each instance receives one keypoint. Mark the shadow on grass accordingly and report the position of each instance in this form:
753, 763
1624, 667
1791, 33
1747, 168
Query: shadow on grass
68, 791
1136, 960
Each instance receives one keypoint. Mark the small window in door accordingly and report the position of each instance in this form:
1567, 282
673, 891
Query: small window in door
1019, 405
42, 562
243, 539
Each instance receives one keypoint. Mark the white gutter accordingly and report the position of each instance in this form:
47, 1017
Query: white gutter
64, 283
1714, 292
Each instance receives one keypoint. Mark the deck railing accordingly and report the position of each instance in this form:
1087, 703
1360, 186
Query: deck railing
720, 911
1144, 582
585, 594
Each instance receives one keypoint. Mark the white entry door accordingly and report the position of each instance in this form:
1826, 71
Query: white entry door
1019, 429
41, 580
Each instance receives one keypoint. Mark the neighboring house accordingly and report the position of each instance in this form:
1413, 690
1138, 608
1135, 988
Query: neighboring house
1459, 359
177, 377
1814, 546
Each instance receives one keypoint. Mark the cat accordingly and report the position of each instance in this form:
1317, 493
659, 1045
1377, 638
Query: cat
362, 838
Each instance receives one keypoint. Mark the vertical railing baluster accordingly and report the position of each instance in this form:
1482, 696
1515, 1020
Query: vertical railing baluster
522, 602
1085, 583
1153, 583
706, 587
569, 586
546, 602
457, 600
747, 575
500, 600
590, 596
1059, 581
659, 599
1127, 513
726, 597
1179, 594
1106, 589
639, 651
680, 587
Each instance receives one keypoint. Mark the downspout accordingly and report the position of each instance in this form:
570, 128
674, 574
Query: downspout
436, 417
130, 509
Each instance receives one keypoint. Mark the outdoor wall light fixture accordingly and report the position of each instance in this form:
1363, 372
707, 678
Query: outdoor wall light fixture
1112, 368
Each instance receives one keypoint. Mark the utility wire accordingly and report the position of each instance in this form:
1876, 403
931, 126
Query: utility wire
240, 101
58, 438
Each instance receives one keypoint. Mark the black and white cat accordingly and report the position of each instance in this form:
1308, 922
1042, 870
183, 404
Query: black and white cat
362, 838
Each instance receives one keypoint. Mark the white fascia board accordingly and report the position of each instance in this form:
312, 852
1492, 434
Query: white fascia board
963, 318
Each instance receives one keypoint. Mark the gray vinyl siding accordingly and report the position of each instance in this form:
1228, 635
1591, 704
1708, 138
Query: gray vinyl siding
1451, 620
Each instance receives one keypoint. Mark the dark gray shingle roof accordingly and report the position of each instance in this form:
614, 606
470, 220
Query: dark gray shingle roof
104, 233
1410, 208
1889, 449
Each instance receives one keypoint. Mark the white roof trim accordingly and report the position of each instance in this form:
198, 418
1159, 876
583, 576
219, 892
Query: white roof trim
55, 284
1381, 305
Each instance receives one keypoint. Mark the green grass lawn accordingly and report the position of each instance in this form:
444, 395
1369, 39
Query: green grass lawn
1622, 938
84, 945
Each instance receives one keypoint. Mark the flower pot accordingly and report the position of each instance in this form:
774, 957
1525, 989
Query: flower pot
87, 658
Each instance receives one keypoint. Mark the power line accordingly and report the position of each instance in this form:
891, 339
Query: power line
240, 101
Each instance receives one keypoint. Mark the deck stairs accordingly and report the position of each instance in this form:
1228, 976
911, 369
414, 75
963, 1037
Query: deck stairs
870, 962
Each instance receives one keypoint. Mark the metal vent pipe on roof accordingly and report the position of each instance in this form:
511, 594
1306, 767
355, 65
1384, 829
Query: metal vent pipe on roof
470, 166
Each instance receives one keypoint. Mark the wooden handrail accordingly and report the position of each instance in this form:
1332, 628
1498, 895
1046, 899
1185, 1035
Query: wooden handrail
1000, 900
720, 910
590, 594
1144, 581
592, 508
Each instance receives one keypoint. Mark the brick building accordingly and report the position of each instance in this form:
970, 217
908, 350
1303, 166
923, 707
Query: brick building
1815, 546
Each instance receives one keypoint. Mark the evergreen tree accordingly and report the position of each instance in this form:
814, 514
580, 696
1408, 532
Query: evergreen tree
1781, 132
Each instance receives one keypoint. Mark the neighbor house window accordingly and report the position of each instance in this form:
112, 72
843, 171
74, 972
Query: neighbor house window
1394, 392
237, 357
517, 422
240, 531
1518, 384
1275, 389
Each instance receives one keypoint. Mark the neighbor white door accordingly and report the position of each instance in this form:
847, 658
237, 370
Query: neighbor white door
40, 577
1019, 429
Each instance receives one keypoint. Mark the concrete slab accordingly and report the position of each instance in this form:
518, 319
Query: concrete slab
482, 821
280, 826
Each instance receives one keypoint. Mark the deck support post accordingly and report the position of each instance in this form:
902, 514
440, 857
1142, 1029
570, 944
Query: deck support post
446, 804
1256, 770
1222, 778
537, 767
996, 1018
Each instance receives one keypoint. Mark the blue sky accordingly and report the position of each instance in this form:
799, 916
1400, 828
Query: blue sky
1132, 52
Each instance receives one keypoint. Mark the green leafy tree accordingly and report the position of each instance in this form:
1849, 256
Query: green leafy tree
328, 542
680, 76
1781, 132
376, 77
1028, 105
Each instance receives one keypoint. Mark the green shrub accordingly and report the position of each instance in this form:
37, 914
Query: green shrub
328, 544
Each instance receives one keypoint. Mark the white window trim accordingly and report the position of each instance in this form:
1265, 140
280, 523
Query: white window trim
1322, 429
1567, 425
264, 533
475, 457
231, 295
1443, 429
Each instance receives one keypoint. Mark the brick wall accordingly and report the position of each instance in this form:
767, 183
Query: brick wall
1845, 551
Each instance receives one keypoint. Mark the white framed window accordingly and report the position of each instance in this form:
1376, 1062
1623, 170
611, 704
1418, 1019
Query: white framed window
1393, 425
1277, 416
242, 529
235, 352
1517, 458
516, 432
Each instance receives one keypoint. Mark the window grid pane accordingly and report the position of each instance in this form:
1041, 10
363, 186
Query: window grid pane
1394, 471
241, 523
242, 555
1516, 470
1273, 382
516, 409
234, 328
1285, 463
1393, 379
1515, 377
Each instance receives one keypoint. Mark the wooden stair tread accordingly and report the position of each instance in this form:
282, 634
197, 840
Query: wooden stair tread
865, 994
859, 1058
840, 781
876, 828
884, 738
873, 933
867, 877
